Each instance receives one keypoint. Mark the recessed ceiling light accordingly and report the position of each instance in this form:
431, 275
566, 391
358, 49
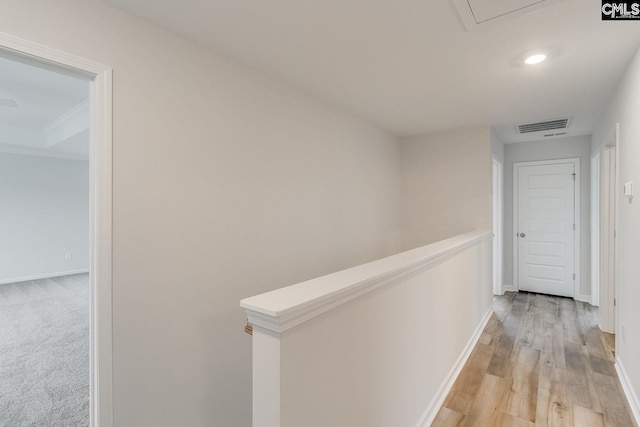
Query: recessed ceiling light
535, 59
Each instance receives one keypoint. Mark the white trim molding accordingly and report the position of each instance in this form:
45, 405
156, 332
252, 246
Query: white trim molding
508, 287
498, 227
434, 406
42, 276
282, 309
595, 227
632, 397
583, 298
100, 195
609, 203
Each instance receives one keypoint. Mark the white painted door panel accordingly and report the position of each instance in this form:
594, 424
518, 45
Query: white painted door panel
546, 216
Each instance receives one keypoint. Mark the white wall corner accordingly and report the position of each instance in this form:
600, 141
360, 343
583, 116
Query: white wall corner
434, 406
632, 397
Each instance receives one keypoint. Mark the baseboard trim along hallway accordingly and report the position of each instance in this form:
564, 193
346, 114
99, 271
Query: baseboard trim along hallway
434, 406
632, 397
43, 276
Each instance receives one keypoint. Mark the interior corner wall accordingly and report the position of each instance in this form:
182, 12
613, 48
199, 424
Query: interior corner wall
226, 184
44, 216
564, 148
625, 110
446, 185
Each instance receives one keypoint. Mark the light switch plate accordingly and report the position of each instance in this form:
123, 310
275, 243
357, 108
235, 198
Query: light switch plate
628, 189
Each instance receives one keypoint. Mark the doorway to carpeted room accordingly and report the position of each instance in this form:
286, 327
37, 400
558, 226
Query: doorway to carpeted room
45, 245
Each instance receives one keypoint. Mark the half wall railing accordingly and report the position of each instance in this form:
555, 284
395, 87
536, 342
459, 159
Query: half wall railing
376, 345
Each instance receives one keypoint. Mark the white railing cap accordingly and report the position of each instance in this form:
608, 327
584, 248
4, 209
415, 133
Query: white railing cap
287, 307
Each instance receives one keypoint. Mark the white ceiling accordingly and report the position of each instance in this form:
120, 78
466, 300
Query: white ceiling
410, 66
51, 117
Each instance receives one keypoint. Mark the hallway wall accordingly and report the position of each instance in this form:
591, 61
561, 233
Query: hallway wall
563, 148
624, 108
226, 184
446, 185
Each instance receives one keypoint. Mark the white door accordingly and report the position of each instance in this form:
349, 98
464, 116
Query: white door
545, 228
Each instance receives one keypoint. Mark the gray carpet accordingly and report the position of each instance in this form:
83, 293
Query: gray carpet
44, 352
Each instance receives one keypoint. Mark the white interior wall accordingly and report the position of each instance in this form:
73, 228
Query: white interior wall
44, 215
446, 185
225, 185
624, 108
563, 148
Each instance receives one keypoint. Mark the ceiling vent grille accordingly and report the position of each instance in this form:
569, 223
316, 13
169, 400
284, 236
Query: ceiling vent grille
543, 126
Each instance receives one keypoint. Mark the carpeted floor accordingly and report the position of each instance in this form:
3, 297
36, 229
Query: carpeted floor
44, 352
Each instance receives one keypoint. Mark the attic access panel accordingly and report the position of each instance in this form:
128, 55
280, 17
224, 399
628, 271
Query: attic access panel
477, 12
484, 10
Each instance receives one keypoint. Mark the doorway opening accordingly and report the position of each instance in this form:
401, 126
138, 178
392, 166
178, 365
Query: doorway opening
62, 141
546, 227
44, 224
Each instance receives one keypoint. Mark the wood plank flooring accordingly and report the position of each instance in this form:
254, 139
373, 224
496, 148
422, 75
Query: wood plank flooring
541, 361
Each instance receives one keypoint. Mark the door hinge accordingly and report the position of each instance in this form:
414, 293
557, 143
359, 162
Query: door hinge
574, 227
574, 276
615, 302
574, 176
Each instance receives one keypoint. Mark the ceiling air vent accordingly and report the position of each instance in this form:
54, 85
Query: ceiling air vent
543, 126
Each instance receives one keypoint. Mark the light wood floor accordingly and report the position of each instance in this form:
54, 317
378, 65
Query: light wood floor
541, 361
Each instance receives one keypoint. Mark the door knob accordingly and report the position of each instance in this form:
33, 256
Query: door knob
522, 234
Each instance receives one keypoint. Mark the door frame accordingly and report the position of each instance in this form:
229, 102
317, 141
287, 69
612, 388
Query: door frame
609, 203
576, 218
497, 187
596, 179
100, 198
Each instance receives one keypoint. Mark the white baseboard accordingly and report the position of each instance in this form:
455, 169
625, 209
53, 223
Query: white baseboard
632, 397
583, 298
580, 297
509, 288
434, 406
42, 276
